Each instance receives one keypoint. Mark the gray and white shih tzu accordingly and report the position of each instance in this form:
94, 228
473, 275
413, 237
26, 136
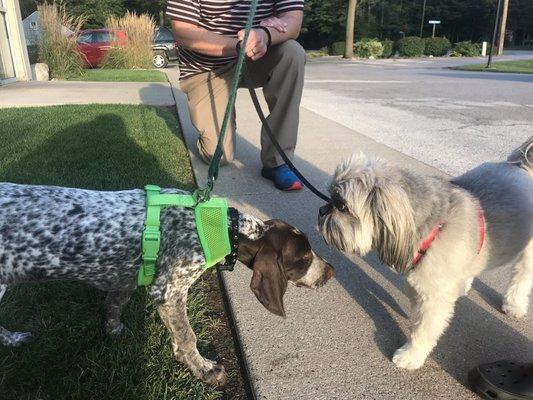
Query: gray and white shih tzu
439, 233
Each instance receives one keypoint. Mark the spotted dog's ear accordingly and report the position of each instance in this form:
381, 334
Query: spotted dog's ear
268, 281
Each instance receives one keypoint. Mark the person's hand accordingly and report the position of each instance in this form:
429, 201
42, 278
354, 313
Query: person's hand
276, 23
256, 47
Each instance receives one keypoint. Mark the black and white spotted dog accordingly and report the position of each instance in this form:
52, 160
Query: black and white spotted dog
95, 237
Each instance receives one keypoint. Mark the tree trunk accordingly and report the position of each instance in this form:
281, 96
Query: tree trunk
503, 25
350, 25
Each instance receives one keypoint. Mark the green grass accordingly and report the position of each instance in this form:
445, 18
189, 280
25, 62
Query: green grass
520, 66
120, 75
99, 147
526, 47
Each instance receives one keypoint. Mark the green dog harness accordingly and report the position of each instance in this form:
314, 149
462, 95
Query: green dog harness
211, 222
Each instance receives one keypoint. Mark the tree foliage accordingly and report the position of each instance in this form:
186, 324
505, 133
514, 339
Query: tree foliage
462, 20
95, 12
325, 20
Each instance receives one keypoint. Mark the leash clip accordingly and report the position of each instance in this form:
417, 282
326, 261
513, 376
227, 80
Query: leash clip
201, 196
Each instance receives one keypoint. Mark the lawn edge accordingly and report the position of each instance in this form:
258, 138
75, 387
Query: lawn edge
483, 69
237, 342
163, 74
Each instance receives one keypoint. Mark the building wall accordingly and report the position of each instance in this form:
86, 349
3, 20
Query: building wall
17, 40
31, 29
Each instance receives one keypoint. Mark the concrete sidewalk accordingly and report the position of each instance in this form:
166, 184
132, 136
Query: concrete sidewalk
336, 343
28, 94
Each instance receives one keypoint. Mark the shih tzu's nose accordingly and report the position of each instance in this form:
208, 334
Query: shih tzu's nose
324, 210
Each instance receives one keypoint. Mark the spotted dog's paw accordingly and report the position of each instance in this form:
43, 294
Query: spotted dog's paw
15, 339
213, 374
408, 357
115, 330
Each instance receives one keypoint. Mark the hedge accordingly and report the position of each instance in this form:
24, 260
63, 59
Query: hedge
466, 49
337, 49
437, 47
366, 48
411, 46
388, 48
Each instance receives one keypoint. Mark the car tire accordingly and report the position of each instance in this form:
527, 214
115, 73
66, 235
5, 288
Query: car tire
160, 59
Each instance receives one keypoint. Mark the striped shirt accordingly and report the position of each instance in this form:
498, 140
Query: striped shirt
224, 17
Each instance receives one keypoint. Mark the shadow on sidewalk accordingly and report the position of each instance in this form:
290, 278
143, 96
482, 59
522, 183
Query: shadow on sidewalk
474, 336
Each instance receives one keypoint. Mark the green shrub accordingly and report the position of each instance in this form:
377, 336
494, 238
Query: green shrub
366, 48
388, 48
437, 47
466, 49
411, 46
337, 49
55, 48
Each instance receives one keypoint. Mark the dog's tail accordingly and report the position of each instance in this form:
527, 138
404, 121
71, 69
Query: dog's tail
523, 156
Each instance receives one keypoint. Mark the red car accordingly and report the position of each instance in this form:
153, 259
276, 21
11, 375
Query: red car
94, 44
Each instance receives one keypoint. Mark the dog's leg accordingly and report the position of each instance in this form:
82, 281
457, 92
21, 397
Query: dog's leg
8, 338
115, 303
174, 315
431, 313
516, 299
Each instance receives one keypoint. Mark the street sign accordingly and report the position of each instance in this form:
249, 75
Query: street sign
434, 23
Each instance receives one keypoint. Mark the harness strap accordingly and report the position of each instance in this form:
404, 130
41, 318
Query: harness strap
151, 239
211, 223
426, 243
482, 229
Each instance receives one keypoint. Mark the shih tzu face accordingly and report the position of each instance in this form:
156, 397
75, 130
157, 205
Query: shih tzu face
368, 210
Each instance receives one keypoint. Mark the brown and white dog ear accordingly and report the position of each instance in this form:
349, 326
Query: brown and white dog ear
268, 281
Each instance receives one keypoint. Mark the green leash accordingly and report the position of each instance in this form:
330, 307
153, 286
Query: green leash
211, 214
212, 174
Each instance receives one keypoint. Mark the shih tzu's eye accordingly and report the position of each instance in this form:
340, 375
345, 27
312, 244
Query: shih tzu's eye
340, 204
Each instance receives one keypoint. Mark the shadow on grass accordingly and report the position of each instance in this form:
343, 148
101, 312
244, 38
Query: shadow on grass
71, 356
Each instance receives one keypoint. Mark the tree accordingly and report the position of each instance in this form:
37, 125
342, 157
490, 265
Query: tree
155, 8
350, 26
503, 25
27, 7
95, 12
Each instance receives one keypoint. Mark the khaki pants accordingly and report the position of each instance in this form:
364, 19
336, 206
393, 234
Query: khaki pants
280, 73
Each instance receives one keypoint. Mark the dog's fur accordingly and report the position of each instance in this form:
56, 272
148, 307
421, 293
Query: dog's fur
378, 206
95, 237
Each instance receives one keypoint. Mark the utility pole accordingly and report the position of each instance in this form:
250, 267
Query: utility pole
423, 16
503, 25
493, 43
350, 26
